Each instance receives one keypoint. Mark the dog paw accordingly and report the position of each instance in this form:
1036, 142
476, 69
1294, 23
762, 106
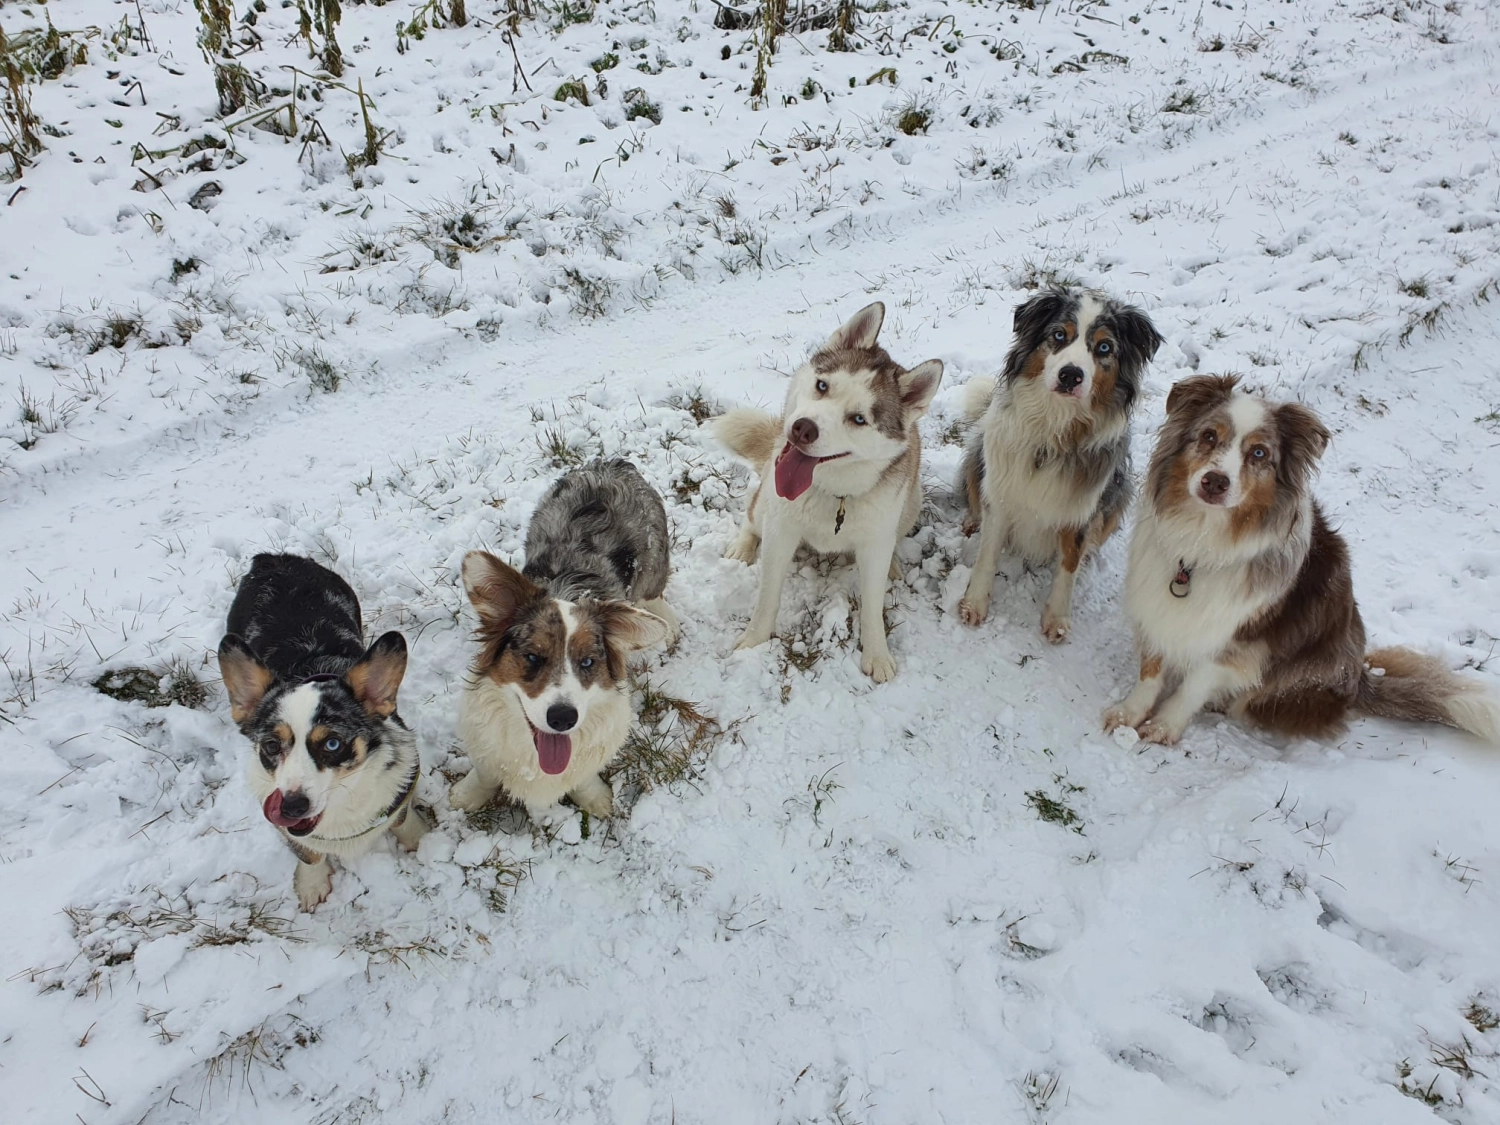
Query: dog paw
1162, 733
1056, 629
878, 666
595, 797
744, 549
969, 526
751, 640
470, 794
971, 614
410, 831
313, 882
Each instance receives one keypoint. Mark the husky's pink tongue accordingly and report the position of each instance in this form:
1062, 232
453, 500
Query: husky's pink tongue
552, 750
794, 472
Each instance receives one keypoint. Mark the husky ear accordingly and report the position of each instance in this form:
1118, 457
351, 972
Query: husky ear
1200, 392
376, 677
496, 590
246, 679
628, 629
919, 385
860, 331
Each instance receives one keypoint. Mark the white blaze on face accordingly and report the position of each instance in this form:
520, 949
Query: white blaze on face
1246, 414
297, 772
1076, 354
564, 687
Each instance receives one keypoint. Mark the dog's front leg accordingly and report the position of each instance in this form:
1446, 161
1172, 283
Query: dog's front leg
874, 563
776, 551
1133, 709
975, 605
1230, 674
409, 828
1057, 615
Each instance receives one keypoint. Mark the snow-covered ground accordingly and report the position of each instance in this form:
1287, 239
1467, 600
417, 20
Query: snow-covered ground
851, 909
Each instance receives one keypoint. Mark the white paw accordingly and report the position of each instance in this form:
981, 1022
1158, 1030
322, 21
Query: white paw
595, 798
413, 828
470, 794
1158, 731
1056, 628
878, 666
1119, 716
752, 639
973, 611
312, 882
744, 549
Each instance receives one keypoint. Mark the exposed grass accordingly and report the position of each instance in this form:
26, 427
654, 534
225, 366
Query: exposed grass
913, 118
1053, 810
557, 451
638, 105
1481, 1016
572, 90
155, 687
671, 737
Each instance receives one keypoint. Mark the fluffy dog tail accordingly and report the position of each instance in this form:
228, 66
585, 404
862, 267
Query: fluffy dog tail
976, 399
1401, 684
749, 434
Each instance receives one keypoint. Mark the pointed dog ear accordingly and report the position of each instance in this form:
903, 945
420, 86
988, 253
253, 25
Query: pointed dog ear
496, 589
246, 679
627, 630
1200, 392
860, 331
918, 386
376, 678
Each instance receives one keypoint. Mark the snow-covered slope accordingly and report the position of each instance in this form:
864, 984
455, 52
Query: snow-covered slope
851, 909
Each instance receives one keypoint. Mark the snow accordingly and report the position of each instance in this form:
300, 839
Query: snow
851, 911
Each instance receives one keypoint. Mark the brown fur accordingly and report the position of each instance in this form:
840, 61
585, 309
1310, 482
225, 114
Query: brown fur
1070, 547
1107, 370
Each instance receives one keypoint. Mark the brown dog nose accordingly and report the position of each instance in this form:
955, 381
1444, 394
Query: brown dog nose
1069, 378
1214, 484
804, 431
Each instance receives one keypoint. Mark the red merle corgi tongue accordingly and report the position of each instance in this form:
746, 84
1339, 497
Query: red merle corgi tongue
273, 813
552, 750
794, 471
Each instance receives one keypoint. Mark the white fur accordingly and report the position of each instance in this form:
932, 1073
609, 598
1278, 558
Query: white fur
496, 735
877, 512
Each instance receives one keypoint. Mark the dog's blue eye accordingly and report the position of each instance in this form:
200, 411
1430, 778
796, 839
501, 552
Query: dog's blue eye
533, 659
1259, 453
1060, 336
586, 662
857, 419
822, 386
1104, 348
332, 745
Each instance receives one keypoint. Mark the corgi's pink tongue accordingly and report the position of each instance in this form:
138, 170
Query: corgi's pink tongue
273, 813
794, 472
552, 750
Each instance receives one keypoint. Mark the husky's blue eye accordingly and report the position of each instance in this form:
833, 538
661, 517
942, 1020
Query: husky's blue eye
586, 662
858, 419
332, 745
822, 385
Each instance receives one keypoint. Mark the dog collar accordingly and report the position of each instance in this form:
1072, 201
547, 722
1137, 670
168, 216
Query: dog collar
1182, 583
380, 821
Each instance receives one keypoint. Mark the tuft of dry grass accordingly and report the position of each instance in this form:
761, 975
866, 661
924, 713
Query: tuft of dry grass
176, 683
671, 738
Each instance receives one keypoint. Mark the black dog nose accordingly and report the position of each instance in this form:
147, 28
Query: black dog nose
1069, 378
562, 716
1215, 483
804, 431
295, 805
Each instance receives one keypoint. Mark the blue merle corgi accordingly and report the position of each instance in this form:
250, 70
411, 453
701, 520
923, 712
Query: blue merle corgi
334, 765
